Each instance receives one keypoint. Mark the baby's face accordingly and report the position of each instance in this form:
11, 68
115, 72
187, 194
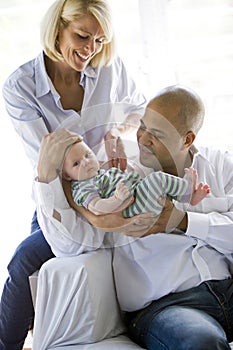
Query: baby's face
80, 163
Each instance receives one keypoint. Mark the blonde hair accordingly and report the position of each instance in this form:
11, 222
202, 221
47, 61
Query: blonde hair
63, 12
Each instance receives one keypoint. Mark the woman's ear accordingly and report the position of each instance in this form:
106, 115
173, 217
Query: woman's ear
189, 138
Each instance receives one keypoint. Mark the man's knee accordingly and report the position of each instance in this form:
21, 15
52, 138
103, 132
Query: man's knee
182, 328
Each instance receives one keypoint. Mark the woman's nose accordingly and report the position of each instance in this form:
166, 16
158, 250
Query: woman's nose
90, 46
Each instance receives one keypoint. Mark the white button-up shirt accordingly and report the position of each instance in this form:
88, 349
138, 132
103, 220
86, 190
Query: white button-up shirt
35, 109
156, 265
148, 268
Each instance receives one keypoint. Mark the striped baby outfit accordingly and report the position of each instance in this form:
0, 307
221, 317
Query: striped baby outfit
146, 191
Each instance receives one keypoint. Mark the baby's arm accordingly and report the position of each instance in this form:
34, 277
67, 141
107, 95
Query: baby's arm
200, 191
119, 201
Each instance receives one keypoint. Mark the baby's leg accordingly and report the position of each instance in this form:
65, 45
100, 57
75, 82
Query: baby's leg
200, 191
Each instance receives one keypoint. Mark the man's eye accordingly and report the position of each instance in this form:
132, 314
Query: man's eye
76, 163
101, 41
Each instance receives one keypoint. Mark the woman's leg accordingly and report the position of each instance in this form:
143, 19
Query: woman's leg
199, 318
16, 309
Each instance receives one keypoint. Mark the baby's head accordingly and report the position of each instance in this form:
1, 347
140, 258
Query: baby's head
80, 163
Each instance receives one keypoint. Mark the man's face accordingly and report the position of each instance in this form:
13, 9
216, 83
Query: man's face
160, 144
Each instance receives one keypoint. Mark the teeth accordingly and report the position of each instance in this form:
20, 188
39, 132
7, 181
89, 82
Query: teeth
83, 56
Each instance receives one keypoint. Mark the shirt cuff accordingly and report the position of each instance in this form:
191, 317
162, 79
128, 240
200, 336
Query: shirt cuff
198, 225
50, 196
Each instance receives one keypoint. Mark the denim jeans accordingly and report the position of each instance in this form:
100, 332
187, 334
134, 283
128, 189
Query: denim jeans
200, 318
16, 308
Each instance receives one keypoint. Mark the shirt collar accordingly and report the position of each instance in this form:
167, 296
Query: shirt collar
41, 76
43, 85
89, 72
198, 153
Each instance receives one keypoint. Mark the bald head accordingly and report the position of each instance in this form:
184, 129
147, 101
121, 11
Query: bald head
182, 106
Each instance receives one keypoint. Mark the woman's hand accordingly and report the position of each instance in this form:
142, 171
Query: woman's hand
52, 151
115, 149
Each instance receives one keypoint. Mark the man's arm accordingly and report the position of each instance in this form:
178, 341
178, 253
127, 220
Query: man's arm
170, 218
114, 222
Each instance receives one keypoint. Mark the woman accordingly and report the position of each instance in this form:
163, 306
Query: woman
74, 83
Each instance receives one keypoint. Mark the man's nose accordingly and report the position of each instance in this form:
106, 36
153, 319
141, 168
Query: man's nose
144, 137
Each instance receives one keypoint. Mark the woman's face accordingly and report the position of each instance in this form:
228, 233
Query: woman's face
80, 41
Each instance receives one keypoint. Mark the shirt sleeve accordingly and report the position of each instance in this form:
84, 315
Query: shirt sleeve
27, 120
71, 234
127, 93
215, 224
83, 193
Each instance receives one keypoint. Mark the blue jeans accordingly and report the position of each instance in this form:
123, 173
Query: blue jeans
200, 318
16, 309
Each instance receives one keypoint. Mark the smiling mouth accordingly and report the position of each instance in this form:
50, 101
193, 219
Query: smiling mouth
146, 151
83, 58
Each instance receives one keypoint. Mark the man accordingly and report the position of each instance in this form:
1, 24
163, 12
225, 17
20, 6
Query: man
174, 283
181, 281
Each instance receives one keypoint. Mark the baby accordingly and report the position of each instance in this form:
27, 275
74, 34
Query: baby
105, 191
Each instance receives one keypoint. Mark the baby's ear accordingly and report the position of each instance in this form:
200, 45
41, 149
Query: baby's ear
65, 176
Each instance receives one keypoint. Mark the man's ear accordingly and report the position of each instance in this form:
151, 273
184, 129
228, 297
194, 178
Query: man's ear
189, 138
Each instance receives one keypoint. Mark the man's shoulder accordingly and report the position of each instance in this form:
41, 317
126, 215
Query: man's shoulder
212, 154
216, 158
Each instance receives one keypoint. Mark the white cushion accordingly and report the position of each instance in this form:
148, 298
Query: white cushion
76, 301
76, 306
118, 343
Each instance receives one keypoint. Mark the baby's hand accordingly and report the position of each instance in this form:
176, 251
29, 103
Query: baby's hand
122, 192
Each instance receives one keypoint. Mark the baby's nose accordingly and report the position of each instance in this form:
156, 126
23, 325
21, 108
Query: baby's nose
84, 161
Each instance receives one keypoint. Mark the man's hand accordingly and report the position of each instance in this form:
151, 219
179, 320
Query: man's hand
169, 219
52, 152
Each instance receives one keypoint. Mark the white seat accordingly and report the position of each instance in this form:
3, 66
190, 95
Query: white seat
76, 305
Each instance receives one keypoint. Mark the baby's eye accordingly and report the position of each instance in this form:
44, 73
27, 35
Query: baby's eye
76, 163
88, 155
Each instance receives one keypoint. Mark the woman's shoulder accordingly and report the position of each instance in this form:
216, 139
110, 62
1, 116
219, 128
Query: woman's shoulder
23, 72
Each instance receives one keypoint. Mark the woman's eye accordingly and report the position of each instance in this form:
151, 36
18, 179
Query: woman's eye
76, 163
82, 37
